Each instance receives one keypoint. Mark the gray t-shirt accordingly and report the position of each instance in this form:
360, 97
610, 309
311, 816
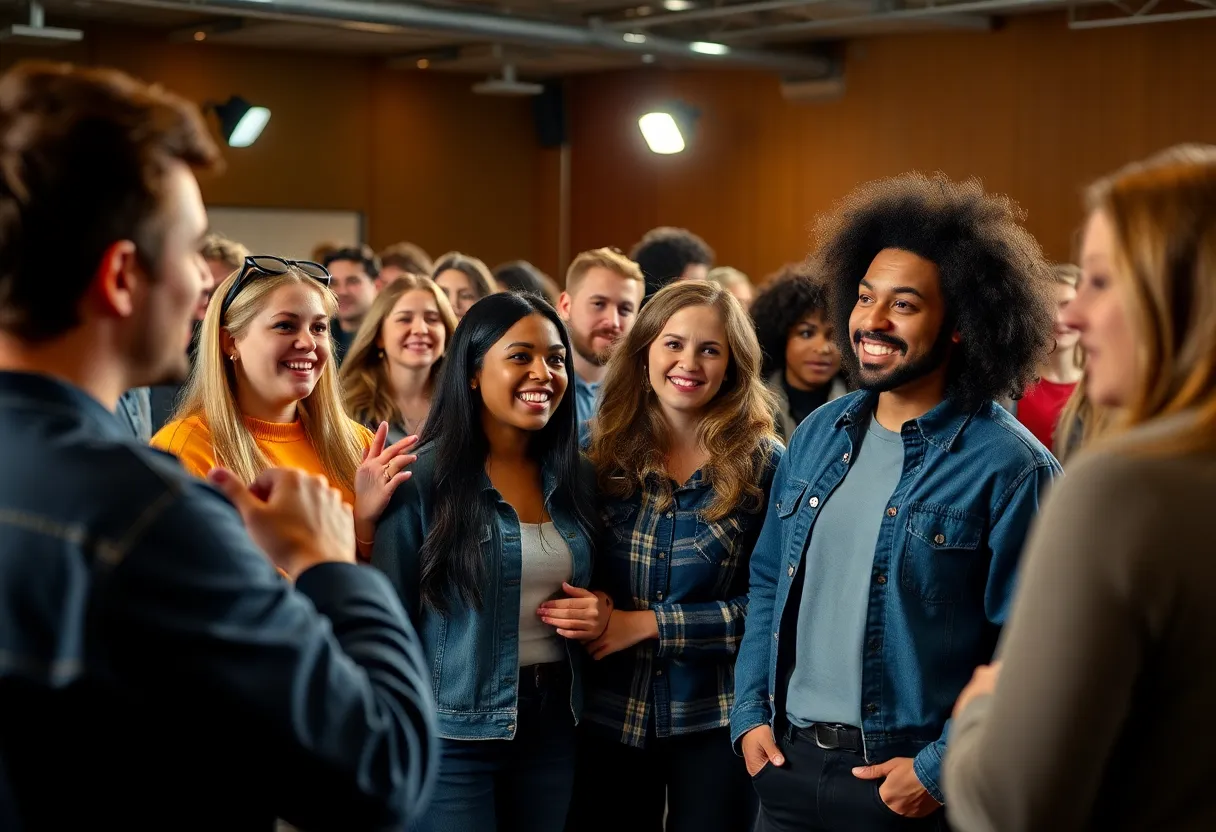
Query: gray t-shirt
826, 682
546, 563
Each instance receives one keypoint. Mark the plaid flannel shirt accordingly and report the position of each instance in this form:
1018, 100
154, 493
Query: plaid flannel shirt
693, 574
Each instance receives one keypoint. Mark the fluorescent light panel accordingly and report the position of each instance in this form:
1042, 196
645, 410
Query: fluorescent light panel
249, 127
661, 132
706, 48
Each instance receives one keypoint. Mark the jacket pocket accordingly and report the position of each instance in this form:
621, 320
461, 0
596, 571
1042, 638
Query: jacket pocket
788, 501
619, 521
940, 552
718, 541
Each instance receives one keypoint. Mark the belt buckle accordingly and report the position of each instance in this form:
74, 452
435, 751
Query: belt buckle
835, 736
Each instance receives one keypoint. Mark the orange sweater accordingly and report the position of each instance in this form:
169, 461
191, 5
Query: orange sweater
285, 445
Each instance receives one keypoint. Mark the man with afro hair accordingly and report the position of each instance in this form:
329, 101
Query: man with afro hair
887, 560
668, 254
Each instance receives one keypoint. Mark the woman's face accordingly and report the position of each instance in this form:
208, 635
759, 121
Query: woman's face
281, 355
811, 357
413, 335
523, 376
1099, 314
459, 289
687, 363
1066, 337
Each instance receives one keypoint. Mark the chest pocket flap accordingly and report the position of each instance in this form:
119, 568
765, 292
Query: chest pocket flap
939, 559
790, 498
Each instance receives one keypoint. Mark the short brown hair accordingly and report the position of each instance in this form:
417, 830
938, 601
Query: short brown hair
83, 157
407, 257
604, 258
219, 249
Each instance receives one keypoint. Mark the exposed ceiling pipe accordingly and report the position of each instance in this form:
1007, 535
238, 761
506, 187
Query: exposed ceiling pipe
926, 13
493, 26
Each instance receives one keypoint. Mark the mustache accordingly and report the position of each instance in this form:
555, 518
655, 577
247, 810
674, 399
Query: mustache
614, 334
882, 338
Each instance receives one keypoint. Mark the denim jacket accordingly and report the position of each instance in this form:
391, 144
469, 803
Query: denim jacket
943, 574
692, 573
474, 654
140, 623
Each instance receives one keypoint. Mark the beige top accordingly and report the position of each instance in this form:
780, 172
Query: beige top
1103, 717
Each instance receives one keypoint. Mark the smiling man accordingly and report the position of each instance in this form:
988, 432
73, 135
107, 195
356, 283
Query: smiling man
604, 289
889, 551
354, 274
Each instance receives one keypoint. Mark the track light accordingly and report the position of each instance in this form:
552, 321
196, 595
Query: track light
240, 122
668, 128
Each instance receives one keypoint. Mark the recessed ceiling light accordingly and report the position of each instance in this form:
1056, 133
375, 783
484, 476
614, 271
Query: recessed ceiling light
423, 63
707, 48
200, 36
633, 37
678, 5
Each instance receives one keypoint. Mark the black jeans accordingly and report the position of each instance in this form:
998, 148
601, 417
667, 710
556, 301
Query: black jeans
815, 791
519, 785
697, 779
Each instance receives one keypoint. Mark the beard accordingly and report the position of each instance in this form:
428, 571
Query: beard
582, 346
880, 381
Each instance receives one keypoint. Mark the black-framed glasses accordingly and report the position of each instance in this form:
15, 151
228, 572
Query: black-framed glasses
267, 265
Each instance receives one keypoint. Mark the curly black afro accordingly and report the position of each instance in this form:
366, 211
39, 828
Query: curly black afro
789, 296
997, 286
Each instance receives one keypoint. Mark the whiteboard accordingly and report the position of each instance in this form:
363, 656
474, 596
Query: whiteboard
291, 233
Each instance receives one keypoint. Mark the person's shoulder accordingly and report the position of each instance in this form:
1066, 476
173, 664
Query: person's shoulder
1000, 436
180, 434
365, 434
822, 421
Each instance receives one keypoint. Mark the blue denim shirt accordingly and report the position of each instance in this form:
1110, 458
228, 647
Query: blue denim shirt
139, 621
586, 402
473, 655
943, 575
692, 573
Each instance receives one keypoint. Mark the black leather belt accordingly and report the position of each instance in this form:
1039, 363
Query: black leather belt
831, 737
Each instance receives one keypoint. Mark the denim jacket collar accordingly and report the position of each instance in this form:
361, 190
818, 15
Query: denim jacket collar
548, 482
942, 425
50, 394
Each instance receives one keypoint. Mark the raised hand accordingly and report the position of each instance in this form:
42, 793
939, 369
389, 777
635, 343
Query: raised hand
297, 518
583, 616
383, 469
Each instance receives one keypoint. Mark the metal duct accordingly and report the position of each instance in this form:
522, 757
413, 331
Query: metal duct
490, 26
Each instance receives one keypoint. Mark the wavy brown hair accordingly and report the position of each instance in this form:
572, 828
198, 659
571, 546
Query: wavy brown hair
630, 438
1164, 214
365, 379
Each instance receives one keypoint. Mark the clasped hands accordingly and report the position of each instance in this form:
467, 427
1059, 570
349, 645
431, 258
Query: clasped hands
589, 617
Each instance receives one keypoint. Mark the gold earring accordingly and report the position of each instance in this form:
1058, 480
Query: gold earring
234, 356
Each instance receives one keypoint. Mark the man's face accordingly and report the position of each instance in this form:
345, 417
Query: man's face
162, 325
600, 312
355, 290
896, 326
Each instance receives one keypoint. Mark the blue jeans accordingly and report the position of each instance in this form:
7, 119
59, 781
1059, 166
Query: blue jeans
518, 785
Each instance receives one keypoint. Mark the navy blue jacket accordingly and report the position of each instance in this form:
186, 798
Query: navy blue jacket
156, 673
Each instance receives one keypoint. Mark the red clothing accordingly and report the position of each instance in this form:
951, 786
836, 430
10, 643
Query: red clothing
1039, 410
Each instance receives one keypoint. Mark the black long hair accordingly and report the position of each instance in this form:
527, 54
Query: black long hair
452, 563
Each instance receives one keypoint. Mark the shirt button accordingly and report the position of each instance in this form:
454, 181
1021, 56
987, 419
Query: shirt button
892, 511
814, 502
659, 595
778, 505
662, 555
874, 644
771, 698
844, 458
658, 673
511, 727
669, 515
882, 578
791, 571
871, 708
940, 539
775, 636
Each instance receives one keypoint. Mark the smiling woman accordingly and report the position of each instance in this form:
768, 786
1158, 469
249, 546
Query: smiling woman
263, 392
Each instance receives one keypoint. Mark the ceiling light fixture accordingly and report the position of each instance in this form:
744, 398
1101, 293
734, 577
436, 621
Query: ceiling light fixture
678, 5
240, 122
667, 129
707, 48
633, 37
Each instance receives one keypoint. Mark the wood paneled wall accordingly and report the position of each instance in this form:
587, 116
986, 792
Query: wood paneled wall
424, 158
1034, 109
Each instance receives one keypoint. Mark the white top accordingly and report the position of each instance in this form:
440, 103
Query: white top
546, 563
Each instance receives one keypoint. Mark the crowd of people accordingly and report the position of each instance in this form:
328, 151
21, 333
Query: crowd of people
375, 541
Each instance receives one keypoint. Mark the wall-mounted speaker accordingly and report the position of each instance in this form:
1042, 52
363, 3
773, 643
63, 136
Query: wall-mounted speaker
549, 115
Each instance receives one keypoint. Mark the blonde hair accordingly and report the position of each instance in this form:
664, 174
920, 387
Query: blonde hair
475, 270
364, 377
603, 258
727, 276
218, 248
1163, 211
630, 439
211, 391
